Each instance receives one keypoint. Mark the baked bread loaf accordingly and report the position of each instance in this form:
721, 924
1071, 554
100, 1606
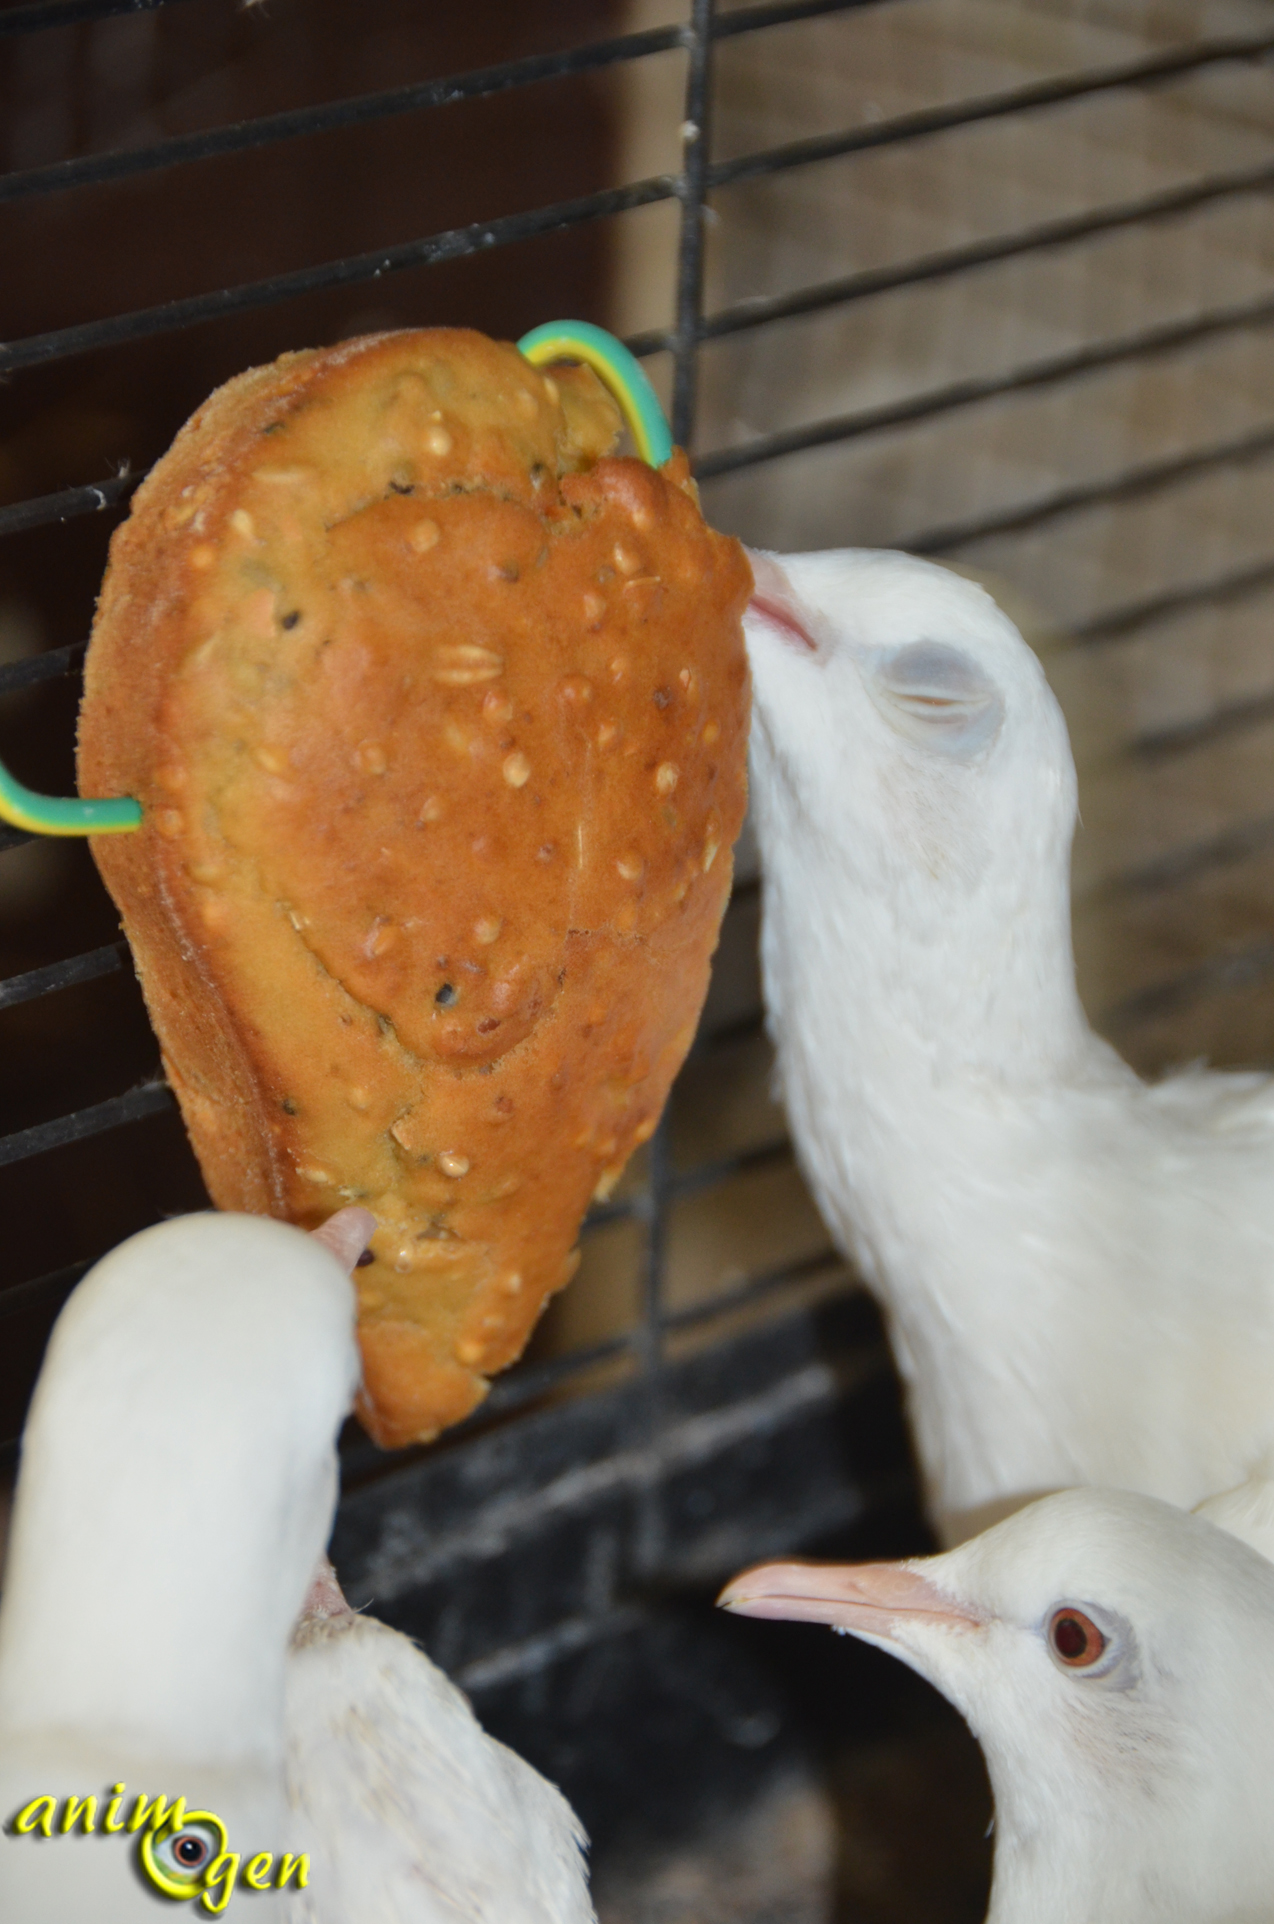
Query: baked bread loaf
438, 716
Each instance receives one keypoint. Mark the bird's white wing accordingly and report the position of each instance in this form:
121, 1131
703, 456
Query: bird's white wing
1220, 1100
1247, 1511
411, 1814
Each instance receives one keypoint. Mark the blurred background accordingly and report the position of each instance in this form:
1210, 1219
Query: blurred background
991, 280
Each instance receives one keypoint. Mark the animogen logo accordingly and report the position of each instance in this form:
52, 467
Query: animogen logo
184, 1853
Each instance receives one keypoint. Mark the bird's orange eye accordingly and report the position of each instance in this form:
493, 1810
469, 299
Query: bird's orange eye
1076, 1640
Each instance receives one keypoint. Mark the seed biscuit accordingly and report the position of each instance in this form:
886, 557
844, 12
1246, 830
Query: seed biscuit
437, 711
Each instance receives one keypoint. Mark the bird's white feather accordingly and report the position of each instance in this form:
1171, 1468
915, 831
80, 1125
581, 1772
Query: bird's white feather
1137, 1790
1077, 1268
411, 1813
1246, 1511
177, 1480
1147, 1792
177, 1485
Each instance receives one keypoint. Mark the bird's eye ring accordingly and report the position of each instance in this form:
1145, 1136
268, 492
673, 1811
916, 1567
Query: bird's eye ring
939, 697
1074, 1638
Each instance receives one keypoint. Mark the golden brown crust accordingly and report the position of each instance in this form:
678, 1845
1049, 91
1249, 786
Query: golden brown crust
438, 716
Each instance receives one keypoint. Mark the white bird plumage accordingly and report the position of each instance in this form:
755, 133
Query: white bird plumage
1077, 1268
445, 1825
177, 1487
1135, 1789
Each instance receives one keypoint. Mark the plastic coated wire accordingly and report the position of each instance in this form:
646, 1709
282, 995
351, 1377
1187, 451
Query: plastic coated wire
1112, 623
148, 1100
67, 504
619, 371
246, 136
967, 113
63, 975
1066, 231
1129, 484
24, 808
452, 244
57, 663
508, 229
68, 13
986, 387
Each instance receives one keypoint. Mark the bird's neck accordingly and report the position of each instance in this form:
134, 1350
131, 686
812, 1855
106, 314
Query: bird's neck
1053, 1881
164, 1639
885, 984
1058, 1857
1146, 1821
921, 1079
119, 1690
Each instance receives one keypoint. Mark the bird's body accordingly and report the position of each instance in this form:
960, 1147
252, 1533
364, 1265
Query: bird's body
177, 1487
1077, 1267
1115, 1658
411, 1814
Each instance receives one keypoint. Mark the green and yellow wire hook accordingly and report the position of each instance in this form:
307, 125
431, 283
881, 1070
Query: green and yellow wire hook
620, 370
22, 808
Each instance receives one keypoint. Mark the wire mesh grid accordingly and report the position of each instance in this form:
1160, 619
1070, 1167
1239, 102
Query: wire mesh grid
798, 1410
650, 1202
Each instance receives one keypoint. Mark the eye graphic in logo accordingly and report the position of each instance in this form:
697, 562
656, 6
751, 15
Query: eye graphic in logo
176, 1856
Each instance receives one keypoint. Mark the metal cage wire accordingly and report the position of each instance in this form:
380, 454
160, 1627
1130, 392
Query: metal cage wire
637, 1437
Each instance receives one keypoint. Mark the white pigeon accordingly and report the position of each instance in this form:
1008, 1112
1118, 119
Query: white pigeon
1115, 1658
177, 1486
1077, 1268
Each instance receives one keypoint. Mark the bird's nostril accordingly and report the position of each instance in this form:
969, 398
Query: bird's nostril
785, 620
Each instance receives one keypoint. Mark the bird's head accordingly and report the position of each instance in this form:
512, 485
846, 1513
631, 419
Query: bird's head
1115, 1657
902, 726
178, 1477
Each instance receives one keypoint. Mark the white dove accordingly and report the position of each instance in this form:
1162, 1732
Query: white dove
177, 1486
1077, 1268
1115, 1658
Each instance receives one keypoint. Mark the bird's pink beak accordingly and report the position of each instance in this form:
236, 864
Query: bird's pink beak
870, 1599
347, 1234
325, 1597
772, 599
